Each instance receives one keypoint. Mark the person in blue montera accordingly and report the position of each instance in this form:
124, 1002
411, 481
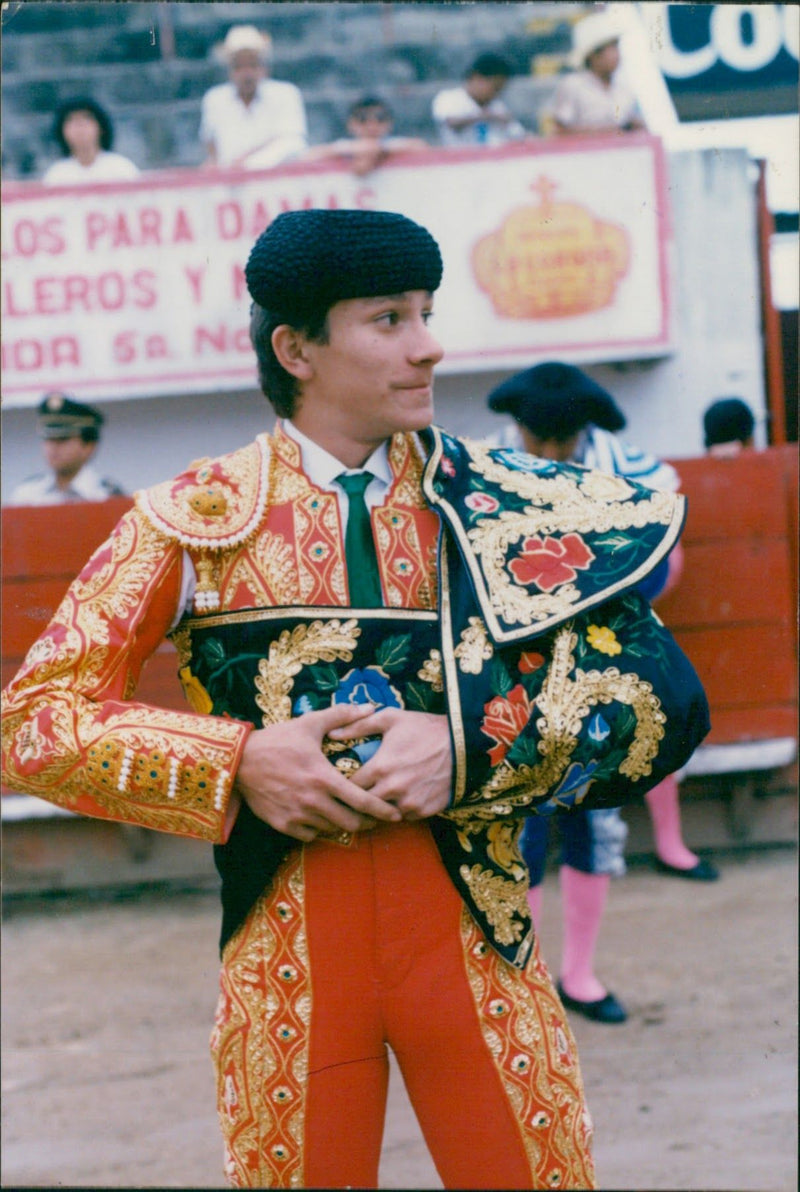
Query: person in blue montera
562, 414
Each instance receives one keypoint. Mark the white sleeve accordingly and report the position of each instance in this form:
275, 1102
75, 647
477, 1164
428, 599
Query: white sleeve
295, 114
453, 104
207, 132
188, 585
565, 105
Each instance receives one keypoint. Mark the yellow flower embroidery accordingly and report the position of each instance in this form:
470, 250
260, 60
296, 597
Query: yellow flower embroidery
196, 695
602, 638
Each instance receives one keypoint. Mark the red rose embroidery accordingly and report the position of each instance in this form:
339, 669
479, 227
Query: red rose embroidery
481, 503
504, 719
447, 466
529, 661
551, 562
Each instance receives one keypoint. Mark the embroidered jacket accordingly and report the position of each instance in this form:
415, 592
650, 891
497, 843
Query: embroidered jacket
509, 604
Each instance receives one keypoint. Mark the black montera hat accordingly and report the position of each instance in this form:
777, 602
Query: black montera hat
306, 261
555, 401
61, 417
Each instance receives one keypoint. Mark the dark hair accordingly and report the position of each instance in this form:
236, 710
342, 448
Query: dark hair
279, 387
90, 434
728, 420
82, 104
369, 101
490, 66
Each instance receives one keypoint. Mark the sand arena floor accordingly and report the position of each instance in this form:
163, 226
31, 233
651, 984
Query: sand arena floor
107, 1005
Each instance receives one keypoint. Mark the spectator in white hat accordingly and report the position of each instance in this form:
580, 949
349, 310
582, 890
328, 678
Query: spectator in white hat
251, 120
592, 98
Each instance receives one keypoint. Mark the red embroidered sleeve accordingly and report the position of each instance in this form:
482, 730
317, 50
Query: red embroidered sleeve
72, 733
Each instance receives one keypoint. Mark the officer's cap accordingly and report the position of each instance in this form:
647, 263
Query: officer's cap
61, 417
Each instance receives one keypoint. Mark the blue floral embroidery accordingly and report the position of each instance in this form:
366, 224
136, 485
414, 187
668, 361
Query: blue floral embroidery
526, 463
571, 789
367, 686
598, 729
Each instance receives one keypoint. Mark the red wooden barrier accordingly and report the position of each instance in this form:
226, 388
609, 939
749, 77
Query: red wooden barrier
43, 549
734, 611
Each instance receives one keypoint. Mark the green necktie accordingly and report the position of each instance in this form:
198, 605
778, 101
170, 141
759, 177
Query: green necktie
359, 546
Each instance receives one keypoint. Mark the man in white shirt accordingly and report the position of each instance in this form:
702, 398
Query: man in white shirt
251, 120
70, 432
593, 98
474, 113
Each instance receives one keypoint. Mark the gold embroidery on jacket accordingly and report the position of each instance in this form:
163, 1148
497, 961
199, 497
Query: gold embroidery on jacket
325, 641
570, 498
216, 504
268, 572
474, 648
500, 900
407, 461
565, 700
559, 505
431, 671
77, 742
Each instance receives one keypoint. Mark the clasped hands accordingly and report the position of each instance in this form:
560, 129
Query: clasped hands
287, 780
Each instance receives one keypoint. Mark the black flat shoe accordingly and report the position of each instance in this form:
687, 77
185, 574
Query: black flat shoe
605, 1009
703, 871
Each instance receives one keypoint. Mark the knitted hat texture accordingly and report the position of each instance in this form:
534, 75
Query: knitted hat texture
555, 401
306, 261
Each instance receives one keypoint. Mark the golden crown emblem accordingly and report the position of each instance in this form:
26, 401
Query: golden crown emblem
551, 260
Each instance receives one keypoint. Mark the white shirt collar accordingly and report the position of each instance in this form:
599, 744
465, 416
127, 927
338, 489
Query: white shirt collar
322, 468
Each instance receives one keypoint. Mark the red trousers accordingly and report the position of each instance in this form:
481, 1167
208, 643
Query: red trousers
358, 947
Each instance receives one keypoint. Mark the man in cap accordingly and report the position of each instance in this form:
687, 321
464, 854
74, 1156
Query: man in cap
592, 98
363, 740
70, 432
251, 120
563, 414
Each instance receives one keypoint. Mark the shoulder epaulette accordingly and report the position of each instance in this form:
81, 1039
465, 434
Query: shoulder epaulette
215, 503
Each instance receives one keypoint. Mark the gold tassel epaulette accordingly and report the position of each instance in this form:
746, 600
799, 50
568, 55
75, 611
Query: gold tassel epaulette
215, 504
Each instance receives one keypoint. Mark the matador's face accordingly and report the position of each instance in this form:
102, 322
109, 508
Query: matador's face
374, 375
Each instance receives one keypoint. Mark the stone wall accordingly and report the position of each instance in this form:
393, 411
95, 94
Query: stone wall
148, 65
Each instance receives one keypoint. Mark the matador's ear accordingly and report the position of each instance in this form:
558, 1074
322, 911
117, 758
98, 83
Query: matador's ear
291, 349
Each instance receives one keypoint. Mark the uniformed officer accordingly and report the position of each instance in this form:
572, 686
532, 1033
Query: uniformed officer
70, 433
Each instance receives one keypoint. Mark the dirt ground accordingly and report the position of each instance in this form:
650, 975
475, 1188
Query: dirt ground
107, 1005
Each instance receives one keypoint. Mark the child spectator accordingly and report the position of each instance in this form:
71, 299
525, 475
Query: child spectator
369, 141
